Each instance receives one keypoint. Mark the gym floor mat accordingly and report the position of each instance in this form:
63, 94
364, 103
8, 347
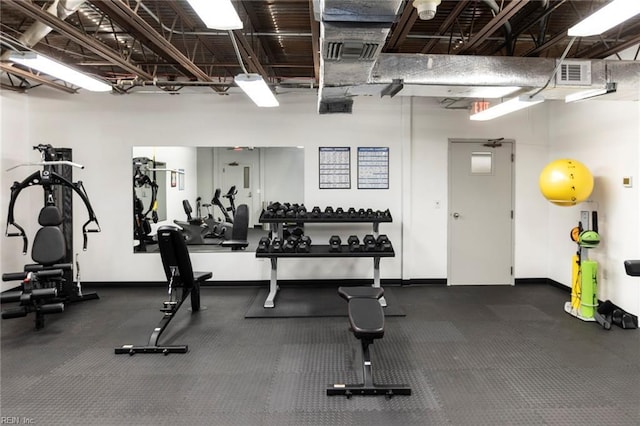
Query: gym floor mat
303, 302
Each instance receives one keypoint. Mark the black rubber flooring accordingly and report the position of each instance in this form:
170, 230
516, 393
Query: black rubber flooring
304, 302
472, 355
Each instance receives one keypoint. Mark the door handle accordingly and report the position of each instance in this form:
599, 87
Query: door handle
456, 215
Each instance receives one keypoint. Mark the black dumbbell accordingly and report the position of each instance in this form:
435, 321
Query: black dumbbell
362, 213
263, 245
267, 214
328, 212
340, 213
352, 212
370, 213
280, 213
369, 243
290, 214
354, 243
290, 244
302, 211
334, 243
273, 206
276, 245
304, 244
383, 243
386, 214
316, 212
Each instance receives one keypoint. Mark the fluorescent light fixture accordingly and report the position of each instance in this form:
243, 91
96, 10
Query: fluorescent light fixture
492, 92
586, 94
217, 14
506, 107
256, 88
56, 69
609, 16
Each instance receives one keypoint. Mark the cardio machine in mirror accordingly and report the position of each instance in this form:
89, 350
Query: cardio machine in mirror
216, 181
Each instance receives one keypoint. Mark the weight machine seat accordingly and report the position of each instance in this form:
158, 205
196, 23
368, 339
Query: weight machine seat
49, 246
174, 254
632, 267
240, 229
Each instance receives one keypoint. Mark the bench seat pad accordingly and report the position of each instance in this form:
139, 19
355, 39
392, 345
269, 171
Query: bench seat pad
366, 318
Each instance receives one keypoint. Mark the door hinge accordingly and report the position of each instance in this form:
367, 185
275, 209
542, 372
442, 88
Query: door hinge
511, 214
511, 271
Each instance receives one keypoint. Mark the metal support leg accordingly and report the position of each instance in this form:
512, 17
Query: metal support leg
273, 284
376, 279
367, 387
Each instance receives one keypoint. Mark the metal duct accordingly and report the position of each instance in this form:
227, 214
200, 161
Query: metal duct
37, 31
426, 75
352, 35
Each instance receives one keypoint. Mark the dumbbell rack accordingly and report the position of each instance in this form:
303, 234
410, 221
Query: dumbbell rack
322, 250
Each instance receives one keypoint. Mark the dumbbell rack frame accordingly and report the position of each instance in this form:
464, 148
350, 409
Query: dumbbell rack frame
322, 251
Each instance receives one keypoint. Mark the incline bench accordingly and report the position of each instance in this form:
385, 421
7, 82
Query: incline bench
366, 318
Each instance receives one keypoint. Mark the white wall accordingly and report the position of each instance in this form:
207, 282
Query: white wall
102, 129
605, 136
15, 148
432, 127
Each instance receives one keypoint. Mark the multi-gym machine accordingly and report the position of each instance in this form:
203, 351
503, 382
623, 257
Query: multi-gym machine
141, 179
47, 284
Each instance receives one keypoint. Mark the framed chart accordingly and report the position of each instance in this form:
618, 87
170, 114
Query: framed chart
335, 167
373, 168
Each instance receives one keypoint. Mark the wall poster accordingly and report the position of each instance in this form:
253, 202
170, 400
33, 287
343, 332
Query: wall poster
335, 167
373, 168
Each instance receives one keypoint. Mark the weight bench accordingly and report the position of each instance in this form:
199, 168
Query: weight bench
180, 275
366, 318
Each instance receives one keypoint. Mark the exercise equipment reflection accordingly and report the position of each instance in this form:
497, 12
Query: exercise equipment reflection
182, 283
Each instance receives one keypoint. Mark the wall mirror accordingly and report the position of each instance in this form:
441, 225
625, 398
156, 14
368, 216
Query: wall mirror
200, 186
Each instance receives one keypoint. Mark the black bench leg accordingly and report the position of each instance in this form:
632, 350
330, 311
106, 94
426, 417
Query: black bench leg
368, 387
153, 347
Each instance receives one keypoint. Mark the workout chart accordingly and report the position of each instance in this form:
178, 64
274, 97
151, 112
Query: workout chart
335, 167
373, 168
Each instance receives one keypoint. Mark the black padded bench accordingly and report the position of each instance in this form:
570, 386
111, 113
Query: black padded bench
366, 318
180, 276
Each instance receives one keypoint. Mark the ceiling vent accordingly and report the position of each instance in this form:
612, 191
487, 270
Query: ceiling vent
574, 73
350, 50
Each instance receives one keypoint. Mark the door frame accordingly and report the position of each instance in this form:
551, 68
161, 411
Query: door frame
450, 208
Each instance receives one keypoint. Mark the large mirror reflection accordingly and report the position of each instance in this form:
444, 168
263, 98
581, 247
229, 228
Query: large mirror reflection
201, 189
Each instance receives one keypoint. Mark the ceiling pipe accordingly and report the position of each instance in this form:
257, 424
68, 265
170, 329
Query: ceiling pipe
37, 31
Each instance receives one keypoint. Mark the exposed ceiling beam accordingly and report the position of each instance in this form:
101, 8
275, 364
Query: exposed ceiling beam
603, 50
192, 25
552, 42
35, 77
402, 28
76, 36
498, 21
449, 20
315, 42
249, 8
18, 89
128, 18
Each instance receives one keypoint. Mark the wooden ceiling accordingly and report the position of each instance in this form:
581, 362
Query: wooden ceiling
165, 41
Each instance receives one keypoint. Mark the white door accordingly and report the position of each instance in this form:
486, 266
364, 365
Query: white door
480, 212
240, 176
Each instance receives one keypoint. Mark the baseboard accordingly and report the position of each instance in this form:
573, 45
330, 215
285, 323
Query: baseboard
315, 283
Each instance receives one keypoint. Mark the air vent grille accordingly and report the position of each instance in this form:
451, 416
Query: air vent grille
574, 74
350, 50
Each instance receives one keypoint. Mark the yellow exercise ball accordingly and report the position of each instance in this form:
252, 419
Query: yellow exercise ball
566, 182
